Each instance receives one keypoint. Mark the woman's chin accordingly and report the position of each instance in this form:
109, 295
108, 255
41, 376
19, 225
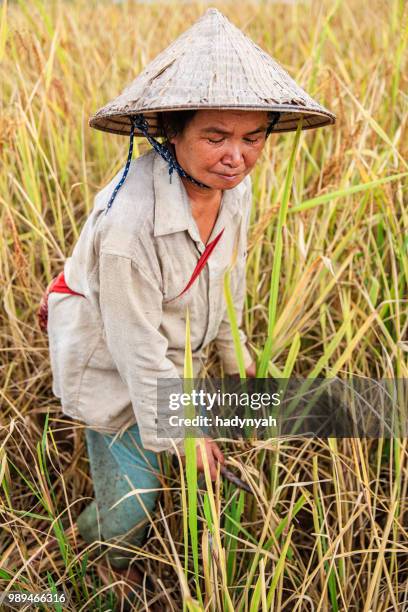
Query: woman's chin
219, 181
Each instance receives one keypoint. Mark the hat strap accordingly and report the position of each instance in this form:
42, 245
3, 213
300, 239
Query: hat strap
124, 175
140, 122
276, 117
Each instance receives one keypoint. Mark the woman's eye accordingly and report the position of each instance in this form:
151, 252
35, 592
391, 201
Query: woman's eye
249, 140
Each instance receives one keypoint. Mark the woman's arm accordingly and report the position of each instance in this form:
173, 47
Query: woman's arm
131, 310
131, 307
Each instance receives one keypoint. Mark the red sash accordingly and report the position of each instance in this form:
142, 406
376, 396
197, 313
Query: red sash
58, 284
200, 263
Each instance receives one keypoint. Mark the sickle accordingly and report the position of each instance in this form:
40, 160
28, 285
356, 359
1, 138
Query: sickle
234, 479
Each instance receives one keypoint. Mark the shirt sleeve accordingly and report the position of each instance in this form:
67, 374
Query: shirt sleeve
224, 341
131, 310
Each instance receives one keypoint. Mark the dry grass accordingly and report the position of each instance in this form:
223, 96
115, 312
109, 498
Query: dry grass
326, 528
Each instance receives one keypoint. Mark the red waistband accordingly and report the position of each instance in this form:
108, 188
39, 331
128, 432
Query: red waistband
59, 285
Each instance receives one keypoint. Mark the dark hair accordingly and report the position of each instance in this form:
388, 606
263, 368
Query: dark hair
171, 123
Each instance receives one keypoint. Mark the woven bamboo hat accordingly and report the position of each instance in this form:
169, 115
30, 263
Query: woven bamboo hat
212, 65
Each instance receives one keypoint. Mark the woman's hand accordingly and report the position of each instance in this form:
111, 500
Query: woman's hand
251, 370
213, 455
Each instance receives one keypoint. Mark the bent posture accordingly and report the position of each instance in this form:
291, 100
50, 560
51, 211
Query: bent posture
160, 238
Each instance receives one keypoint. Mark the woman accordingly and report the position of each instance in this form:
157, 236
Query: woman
154, 245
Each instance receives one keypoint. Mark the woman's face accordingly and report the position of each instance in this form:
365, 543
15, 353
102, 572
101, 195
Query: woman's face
220, 147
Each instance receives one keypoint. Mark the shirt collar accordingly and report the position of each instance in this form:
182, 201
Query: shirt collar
172, 207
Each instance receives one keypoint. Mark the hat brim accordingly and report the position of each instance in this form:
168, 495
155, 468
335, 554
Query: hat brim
119, 123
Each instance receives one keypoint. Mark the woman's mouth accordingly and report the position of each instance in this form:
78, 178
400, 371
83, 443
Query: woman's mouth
228, 177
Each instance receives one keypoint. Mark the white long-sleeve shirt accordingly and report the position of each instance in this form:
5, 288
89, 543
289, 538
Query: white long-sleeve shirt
108, 349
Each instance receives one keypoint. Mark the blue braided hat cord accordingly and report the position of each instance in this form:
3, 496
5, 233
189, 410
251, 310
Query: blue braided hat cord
276, 117
122, 180
141, 124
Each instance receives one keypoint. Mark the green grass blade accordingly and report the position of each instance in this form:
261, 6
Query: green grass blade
273, 296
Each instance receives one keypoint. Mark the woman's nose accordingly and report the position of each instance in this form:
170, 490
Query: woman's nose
233, 157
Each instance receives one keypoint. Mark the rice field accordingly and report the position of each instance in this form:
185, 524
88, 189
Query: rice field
325, 526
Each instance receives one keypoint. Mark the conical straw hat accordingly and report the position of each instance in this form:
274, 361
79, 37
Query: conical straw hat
212, 65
